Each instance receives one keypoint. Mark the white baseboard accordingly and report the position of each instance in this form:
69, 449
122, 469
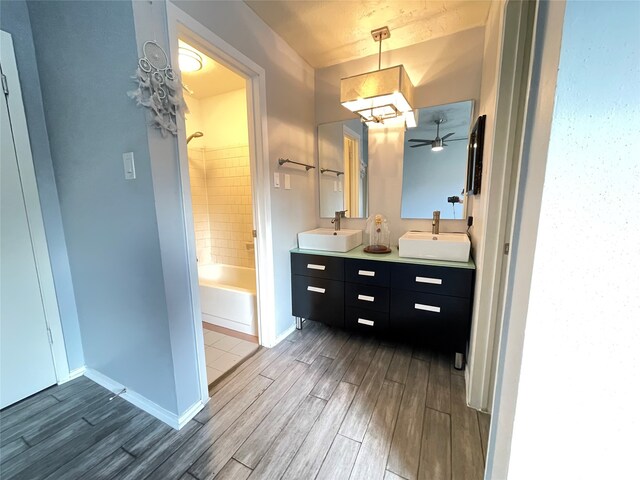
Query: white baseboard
285, 334
78, 372
144, 403
189, 414
73, 374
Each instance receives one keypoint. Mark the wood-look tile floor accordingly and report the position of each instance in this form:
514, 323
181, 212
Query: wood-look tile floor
323, 404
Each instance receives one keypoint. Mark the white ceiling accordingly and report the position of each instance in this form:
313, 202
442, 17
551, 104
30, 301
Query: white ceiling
212, 79
456, 116
335, 31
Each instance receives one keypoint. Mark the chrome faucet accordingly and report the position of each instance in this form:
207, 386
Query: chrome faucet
336, 219
435, 223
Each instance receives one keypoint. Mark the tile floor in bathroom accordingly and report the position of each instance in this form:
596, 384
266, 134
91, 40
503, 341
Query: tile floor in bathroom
223, 352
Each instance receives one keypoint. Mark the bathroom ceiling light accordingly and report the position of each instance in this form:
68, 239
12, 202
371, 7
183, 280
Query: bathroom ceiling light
188, 60
382, 94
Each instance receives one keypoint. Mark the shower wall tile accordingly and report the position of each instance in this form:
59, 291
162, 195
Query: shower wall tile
229, 200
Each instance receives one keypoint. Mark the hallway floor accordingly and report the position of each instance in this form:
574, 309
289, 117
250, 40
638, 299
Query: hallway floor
322, 404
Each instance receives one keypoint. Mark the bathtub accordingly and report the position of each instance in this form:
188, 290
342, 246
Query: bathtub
228, 297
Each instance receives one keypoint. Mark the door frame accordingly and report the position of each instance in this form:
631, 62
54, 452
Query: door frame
348, 172
22, 144
549, 22
514, 62
180, 23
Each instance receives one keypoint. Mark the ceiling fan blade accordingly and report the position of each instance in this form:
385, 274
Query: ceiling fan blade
419, 145
445, 144
420, 140
457, 139
447, 135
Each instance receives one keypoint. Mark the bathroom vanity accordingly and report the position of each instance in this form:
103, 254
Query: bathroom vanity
385, 294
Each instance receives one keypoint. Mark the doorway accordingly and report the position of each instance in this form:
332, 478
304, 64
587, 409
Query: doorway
217, 136
185, 28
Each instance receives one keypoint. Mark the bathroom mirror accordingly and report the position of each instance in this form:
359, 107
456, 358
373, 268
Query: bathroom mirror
435, 162
343, 168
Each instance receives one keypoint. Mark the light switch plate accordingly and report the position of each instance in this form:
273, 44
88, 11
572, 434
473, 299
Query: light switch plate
129, 166
340, 186
276, 180
287, 181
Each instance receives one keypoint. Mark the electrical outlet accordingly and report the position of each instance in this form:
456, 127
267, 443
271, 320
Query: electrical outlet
287, 181
276, 180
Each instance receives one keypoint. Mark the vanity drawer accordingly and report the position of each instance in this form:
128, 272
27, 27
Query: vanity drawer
429, 279
412, 307
366, 320
367, 272
319, 266
366, 296
435, 313
318, 299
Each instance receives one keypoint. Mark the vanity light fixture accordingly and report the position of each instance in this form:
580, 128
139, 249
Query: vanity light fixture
188, 60
383, 96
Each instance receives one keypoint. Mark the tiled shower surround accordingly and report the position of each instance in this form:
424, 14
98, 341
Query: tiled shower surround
221, 197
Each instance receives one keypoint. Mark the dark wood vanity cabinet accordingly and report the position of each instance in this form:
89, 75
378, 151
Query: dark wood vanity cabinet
387, 297
433, 302
366, 294
317, 288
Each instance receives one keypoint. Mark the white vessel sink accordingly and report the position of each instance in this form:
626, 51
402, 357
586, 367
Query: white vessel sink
442, 246
329, 240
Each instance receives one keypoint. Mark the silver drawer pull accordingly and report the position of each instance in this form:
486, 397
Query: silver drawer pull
316, 289
366, 298
433, 281
428, 308
364, 321
313, 266
366, 273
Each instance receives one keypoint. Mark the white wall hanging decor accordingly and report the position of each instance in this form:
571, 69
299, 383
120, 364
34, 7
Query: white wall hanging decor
159, 89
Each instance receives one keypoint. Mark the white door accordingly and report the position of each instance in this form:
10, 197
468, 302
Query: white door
26, 362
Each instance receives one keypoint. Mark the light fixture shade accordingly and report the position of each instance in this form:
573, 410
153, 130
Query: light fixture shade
378, 95
188, 60
410, 119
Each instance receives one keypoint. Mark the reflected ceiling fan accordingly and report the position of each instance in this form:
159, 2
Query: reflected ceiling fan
437, 143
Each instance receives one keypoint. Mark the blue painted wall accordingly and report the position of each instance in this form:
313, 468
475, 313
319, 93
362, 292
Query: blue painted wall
14, 19
86, 53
